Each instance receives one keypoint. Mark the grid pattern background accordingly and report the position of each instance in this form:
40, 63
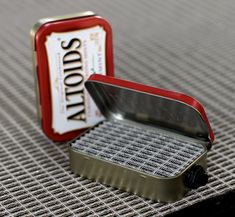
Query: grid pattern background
142, 149
187, 46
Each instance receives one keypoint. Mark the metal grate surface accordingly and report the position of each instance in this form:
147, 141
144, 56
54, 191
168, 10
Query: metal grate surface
142, 149
187, 46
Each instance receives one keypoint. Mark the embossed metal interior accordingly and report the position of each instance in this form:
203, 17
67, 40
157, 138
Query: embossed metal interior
138, 148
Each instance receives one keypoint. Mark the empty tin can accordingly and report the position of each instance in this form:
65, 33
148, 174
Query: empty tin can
153, 142
66, 51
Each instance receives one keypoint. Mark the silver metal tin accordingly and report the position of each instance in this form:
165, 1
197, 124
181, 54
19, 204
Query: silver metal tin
146, 130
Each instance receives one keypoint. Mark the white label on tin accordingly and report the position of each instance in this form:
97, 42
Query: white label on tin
73, 57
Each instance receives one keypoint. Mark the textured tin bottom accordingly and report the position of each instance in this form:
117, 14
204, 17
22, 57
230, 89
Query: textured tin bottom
141, 149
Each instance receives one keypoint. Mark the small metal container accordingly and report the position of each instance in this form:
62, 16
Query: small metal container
66, 51
153, 142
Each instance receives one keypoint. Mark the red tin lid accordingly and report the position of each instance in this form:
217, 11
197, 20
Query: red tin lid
122, 99
70, 33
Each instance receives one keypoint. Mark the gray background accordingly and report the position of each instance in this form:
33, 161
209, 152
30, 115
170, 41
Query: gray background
188, 46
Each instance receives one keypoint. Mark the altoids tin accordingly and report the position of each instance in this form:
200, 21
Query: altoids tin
153, 142
66, 51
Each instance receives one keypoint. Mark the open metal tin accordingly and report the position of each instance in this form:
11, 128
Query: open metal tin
153, 142
66, 51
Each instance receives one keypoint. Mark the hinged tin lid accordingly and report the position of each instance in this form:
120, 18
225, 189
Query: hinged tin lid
122, 99
66, 51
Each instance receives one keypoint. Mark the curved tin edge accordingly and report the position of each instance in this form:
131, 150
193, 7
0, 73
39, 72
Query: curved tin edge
43, 21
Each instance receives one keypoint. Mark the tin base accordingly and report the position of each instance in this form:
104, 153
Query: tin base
139, 160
